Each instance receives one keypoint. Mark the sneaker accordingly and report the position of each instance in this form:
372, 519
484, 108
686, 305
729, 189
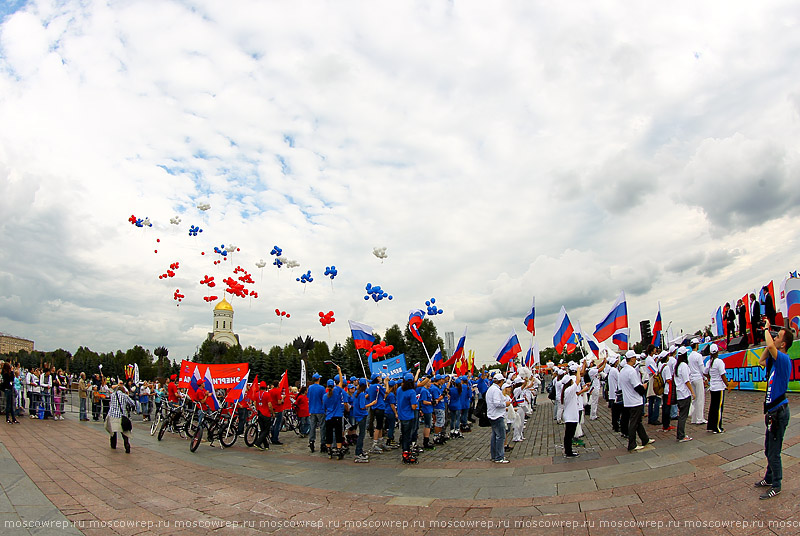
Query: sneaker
762, 484
376, 449
261, 447
770, 494
685, 439
649, 442
361, 458
639, 447
503, 460
573, 455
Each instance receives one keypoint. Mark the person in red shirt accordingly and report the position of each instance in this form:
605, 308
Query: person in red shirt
172, 390
278, 400
264, 407
301, 403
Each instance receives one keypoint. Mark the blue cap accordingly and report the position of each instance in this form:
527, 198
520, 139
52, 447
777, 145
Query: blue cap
331, 383
392, 383
336, 378
408, 376
375, 376
315, 376
362, 381
352, 378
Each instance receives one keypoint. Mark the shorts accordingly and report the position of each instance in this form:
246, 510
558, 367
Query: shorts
426, 420
439, 422
378, 418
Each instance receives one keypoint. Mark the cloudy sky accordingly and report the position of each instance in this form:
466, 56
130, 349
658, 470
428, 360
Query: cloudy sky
498, 151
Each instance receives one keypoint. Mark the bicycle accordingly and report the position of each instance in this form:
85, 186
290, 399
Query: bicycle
158, 418
291, 421
172, 421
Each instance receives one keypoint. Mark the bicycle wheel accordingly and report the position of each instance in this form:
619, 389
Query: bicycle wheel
196, 439
227, 435
161, 429
250, 434
190, 427
155, 425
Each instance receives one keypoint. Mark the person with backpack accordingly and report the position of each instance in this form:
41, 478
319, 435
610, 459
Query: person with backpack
653, 397
116, 414
717, 385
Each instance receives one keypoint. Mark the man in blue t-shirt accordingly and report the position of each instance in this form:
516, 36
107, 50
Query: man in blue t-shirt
426, 409
316, 413
776, 407
377, 405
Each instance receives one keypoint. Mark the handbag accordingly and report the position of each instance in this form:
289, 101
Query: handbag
127, 425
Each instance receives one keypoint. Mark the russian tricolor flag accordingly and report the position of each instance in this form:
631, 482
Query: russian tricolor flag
620, 338
614, 322
718, 321
362, 335
194, 383
529, 319
509, 350
414, 322
793, 302
236, 394
564, 331
208, 384
593, 346
532, 358
437, 361
459, 351
657, 328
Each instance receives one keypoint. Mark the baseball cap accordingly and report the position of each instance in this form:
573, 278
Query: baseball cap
498, 377
629, 354
672, 349
408, 376
695, 341
362, 381
173, 377
315, 376
331, 383
262, 384
573, 367
683, 350
713, 348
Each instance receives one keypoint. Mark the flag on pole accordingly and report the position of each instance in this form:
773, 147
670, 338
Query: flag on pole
252, 393
564, 331
362, 335
528, 357
620, 338
535, 355
509, 350
719, 323
208, 385
438, 360
414, 322
238, 393
194, 383
793, 302
615, 321
283, 390
657, 328
458, 351
593, 346
136, 374
471, 361
529, 319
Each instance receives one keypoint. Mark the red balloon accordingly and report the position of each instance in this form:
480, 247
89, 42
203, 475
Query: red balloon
202, 253
277, 311
158, 240
155, 251
288, 315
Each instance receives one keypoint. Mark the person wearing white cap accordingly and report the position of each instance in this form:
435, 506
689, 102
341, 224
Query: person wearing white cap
632, 392
696, 370
561, 378
653, 398
613, 391
684, 393
495, 411
594, 390
570, 394
717, 385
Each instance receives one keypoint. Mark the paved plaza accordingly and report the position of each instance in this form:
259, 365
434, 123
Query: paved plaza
62, 478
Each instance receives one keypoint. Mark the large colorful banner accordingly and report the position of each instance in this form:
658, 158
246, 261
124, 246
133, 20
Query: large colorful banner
394, 367
224, 376
742, 368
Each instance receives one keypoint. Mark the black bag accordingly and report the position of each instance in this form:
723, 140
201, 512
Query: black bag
480, 411
551, 390
127, 425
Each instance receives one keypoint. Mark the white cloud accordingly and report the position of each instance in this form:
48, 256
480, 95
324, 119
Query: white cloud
497, 153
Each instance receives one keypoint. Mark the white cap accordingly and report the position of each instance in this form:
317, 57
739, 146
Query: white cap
683, 350
672, 349
662, 354
573, 367
498, 377
695, 341
506, 384
560, 371
713, 348
629, 354
612, 359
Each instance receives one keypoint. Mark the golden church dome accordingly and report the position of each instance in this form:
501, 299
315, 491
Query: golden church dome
223, 306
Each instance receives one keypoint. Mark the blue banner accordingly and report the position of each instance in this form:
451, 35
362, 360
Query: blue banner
394, 367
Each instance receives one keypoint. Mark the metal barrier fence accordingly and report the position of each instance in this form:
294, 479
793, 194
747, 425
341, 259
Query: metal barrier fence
69, 405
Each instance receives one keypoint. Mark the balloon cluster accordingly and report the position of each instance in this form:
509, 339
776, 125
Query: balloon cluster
261, 263
432, 309
171, 272
208, 280
278, 312
203, 206
326, 318
331, 271
277, 262
193, 230
210, 298
376, 292
305, 278
245, 277
177, 296
139, 222
221, 250
276, 251
235, 288
253, 294
379, 252
290, 263
175, 220
380, 350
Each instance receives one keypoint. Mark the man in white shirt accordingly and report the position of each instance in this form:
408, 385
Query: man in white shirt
560, 375
613, 386
594, 390
668, 399
696, 371
495, 411
632, 392
653, 400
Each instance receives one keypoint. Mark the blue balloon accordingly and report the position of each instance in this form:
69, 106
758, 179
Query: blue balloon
433, 300
369, 286
428, 303
366, 297
390, 296
440, 311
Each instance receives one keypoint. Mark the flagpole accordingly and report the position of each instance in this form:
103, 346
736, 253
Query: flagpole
230, 421
362, 363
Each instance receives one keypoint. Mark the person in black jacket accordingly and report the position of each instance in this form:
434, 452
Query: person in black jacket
730, 321
755, 320
741, 312
769, 306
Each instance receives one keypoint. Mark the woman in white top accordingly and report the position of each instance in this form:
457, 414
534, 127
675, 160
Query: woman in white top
684, 393
570, 400
717, 384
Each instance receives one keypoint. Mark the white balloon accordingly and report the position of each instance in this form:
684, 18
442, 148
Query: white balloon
291, 263
379, 252
261, 263
203, 206
175, 220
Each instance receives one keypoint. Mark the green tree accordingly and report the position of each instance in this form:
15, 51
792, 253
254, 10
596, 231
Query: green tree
161, 352
210, 351
317, 357
394, 336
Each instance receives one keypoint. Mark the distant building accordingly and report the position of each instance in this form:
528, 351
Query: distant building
223, 324
10, 344
449, 342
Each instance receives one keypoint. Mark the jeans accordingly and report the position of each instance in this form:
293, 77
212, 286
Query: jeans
277, 422
241, 412
406, 428
362, 430
569, 433
263, 431
10, 409
496, 447
683, 414
635, 427
83, 416
665, 412
390, 423
313, 420
47, 405
773, 443
455, 418
304, 425
653, 409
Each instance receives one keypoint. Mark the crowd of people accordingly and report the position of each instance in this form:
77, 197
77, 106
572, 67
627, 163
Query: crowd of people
660, 385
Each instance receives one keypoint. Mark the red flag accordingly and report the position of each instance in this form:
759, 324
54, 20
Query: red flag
746, 301
283, 390
252, 393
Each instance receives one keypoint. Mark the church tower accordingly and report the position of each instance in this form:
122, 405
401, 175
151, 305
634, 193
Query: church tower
223, 324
